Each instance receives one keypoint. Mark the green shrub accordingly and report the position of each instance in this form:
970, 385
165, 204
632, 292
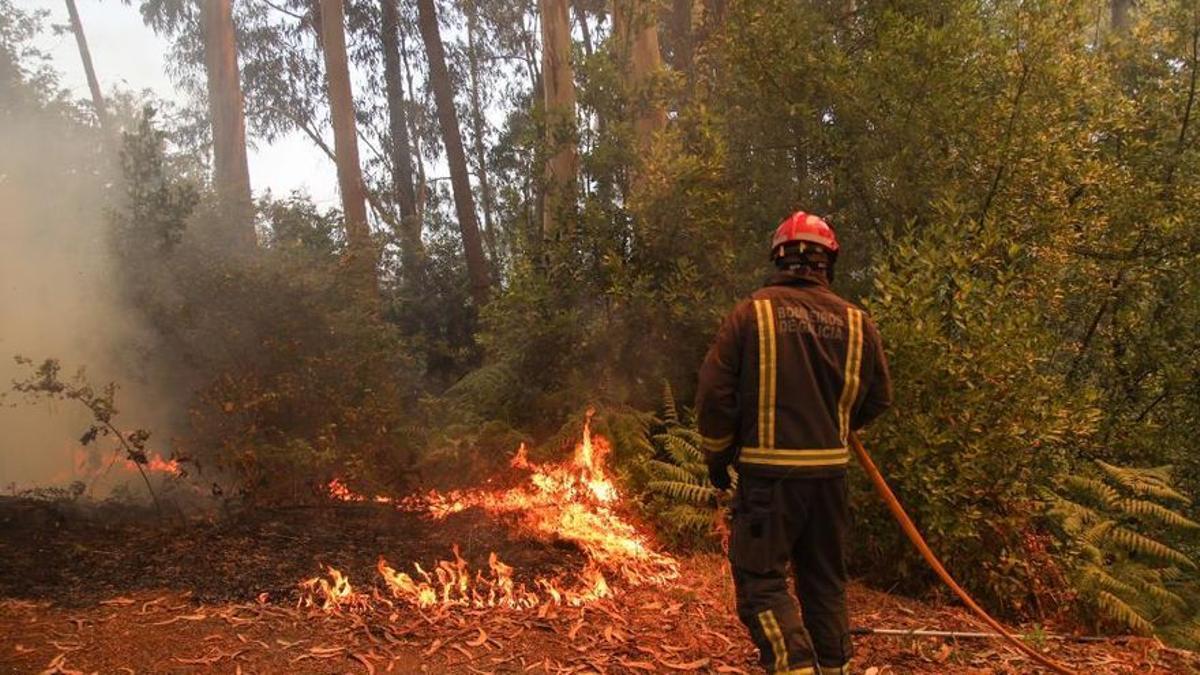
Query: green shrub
982, 418
281, 373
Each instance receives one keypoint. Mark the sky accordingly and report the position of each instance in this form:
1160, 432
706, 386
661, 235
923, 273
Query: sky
128, 54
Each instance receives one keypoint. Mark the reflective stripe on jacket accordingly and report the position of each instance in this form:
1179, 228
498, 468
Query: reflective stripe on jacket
793, 369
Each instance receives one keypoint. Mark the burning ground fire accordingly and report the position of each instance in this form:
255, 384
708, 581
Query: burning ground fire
91, 467
574, 501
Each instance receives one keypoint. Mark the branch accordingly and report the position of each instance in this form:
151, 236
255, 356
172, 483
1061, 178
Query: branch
284, 10
1008, 132
372, 199
1187, 110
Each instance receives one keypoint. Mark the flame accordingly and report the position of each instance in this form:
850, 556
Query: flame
574, 501
89, 466
155, 464
331, 594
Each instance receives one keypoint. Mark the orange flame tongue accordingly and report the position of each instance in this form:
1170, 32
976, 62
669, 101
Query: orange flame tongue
332, 594
573, 501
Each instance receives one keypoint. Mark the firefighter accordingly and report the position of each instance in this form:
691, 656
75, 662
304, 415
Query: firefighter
794, 368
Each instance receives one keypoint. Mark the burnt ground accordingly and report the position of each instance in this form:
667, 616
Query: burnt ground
77, 555
105, 590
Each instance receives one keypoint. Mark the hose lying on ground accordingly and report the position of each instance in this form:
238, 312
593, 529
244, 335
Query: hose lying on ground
978, 635
910, 530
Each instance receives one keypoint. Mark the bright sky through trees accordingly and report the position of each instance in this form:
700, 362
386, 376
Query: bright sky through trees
130, 56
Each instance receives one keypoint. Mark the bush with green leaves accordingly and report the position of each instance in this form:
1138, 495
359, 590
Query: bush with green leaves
280, 373
1128, 540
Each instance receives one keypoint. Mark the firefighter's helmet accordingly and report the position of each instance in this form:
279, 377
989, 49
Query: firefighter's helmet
801, 228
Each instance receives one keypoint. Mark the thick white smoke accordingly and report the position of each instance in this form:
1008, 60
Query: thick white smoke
59, 296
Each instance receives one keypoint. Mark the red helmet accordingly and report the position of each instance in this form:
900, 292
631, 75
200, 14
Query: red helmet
801, 226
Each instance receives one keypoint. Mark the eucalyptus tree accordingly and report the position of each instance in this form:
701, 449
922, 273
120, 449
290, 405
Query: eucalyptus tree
558, 89
85, 56
635, 39
345, 135
464, 200
231, 170
400, 148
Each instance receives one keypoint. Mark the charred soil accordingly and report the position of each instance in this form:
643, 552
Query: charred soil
76, 555
104, 589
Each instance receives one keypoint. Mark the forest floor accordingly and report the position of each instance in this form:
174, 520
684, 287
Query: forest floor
103, 590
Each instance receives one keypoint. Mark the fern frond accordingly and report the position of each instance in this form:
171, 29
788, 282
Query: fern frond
1120, 611
1149, 509
1102, 580
1138, 543
671, 472
688, 434
690, 518
1102, 492
1164, 473
644, 447
670, 412
680, 449
1163, 596
1143, 482
685, 492
1091, 552
1073, 516
1096, 534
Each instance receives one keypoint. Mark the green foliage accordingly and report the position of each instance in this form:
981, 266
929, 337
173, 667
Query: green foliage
984, 420
1128, 564
284, 374
666, 468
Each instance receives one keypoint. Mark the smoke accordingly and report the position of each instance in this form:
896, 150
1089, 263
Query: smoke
59, 294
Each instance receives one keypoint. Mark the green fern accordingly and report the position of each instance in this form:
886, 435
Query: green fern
681, 449
1153, 511
684, 492
1129, 567
1120, 611
670, 412
675, 476
665, 471
1153, 482
692, 520
1102, 492
1143, 545
1161, 594
1094, 574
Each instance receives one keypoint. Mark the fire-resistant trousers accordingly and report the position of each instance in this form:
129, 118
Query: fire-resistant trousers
799, 522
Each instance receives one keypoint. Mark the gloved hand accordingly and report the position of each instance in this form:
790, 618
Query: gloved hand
718, 475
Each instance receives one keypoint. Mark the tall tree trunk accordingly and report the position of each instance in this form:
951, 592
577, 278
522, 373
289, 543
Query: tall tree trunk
231, 173
558, 85
679, 31
361, 254
460, 181
477, 125
584, 30
1121, 10
85, 55
414, 132
412, 249
635, 30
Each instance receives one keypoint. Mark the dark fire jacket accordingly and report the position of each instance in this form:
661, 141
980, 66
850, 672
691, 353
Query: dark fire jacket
792, 371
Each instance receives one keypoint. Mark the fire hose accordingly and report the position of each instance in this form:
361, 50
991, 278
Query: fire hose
914, 535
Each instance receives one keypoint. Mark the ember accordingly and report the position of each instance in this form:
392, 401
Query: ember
573, 501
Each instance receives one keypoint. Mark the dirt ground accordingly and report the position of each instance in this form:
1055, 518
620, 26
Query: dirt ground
88, 590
